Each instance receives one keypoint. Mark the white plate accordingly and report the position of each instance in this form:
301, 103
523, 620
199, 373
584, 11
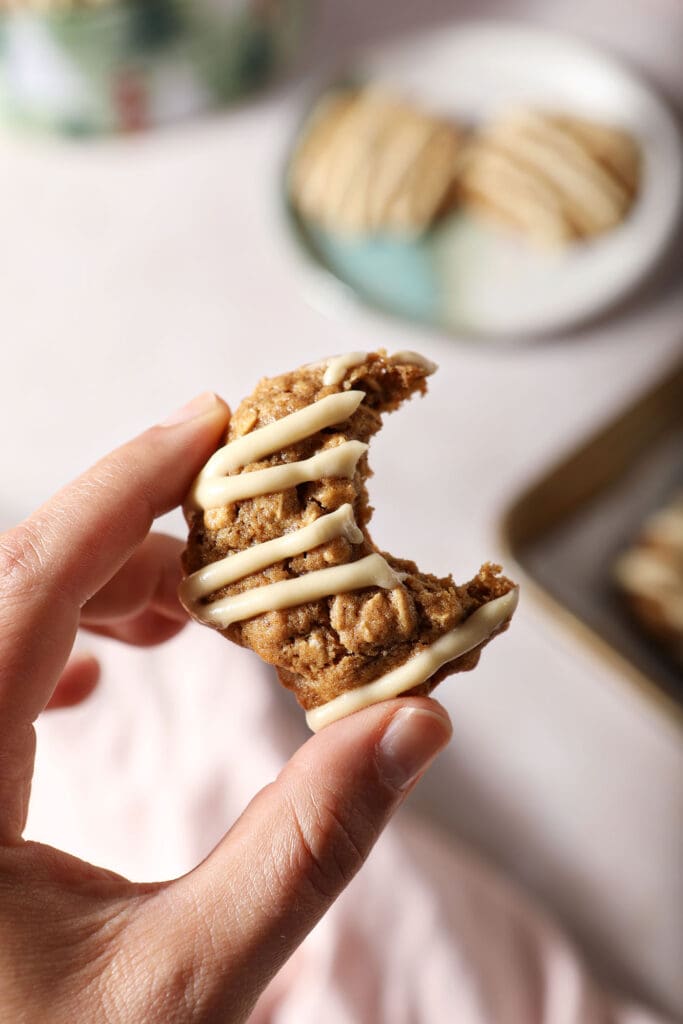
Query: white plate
471, 276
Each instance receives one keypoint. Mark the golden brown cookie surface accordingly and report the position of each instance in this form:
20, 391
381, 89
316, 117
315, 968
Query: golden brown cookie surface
343, 636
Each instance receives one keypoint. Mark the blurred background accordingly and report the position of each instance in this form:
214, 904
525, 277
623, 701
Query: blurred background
152, 247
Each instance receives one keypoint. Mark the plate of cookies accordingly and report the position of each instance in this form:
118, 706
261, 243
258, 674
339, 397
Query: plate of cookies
488, 179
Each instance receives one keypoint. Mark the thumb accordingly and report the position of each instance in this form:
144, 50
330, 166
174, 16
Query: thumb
295, 848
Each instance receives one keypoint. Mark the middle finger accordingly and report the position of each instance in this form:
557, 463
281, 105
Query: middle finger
147, 582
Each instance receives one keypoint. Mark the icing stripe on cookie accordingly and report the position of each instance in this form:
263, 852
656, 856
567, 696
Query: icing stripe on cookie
303, 423
414, 359
337, 367
371, 571
339, 461
212, 490
219, 574
480, 625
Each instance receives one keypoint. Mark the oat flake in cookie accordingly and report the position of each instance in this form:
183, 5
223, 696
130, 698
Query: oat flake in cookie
279, 557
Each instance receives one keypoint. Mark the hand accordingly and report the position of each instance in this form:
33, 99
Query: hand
79, 943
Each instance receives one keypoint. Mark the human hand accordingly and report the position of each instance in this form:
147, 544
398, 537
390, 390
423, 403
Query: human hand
79, 943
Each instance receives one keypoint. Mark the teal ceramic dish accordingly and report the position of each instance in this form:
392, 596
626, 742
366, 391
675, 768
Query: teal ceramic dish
467, 276
127, 65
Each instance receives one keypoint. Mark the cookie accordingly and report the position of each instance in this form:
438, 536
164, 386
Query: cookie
279, 557
369, 163
554, 177
649, 576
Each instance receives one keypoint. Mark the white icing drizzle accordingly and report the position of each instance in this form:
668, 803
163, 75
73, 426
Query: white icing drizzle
371, 571
212, 489
337, 367
468, 635
235, 567
271, 438
338, 461
414, 359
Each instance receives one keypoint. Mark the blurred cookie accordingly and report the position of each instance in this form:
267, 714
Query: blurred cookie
554, 177
650, 577
369, 162
279, 557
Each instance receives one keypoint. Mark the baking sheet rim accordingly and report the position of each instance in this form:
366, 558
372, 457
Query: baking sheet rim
589, 638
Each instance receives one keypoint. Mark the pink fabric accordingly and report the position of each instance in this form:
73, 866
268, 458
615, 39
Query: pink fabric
149, 773
427, 934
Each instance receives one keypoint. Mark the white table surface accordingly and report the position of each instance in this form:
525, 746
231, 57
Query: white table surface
136, 273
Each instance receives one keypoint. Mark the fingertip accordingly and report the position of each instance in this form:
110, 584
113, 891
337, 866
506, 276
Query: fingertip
376, 717
391, 743
207, 405
423, 703
401, 736
413, 737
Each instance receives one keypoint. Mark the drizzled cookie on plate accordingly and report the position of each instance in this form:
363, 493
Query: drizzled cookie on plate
369, 162
555, 178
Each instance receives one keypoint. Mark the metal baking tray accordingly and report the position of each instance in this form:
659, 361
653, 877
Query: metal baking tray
566, 530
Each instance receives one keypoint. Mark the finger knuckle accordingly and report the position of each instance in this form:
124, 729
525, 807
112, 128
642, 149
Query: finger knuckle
22, 559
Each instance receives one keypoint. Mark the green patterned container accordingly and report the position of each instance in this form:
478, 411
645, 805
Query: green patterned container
126, 65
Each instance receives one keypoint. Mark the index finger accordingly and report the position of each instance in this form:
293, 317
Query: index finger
65, 552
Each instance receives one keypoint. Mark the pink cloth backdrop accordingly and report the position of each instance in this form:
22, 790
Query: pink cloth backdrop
148, 774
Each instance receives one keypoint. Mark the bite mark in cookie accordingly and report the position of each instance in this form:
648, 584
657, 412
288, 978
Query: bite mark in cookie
280, 560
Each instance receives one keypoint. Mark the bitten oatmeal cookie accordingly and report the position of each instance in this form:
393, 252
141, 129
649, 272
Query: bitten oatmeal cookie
279, 557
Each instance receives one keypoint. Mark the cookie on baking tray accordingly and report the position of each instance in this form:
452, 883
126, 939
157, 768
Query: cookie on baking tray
649, 575
279, 558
